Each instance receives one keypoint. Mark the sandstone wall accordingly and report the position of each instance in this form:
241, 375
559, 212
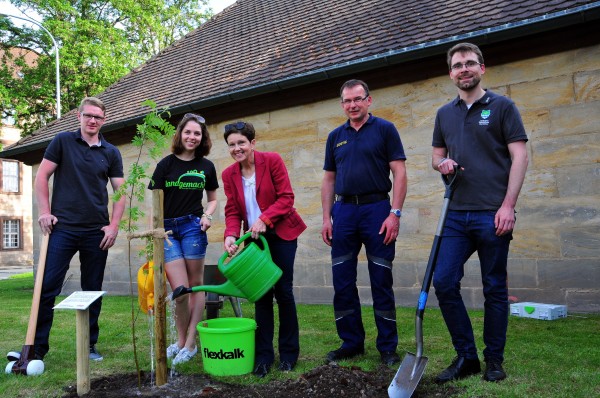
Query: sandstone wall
555, 254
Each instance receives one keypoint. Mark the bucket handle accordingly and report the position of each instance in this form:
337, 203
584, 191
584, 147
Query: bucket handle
240, 240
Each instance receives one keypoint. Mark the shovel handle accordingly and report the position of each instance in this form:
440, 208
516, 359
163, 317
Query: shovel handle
37, 291
451, 181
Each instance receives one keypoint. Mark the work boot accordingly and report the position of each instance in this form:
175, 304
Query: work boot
344, 353
389, 358
460, 368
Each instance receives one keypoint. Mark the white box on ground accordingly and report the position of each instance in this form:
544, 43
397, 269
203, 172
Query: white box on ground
547, 312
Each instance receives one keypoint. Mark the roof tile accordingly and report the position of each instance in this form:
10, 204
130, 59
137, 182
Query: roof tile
256, 42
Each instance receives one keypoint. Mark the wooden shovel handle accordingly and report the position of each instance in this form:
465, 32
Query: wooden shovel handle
37, 292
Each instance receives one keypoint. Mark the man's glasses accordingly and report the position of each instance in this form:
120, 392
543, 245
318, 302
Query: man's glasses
357, 100
469, 65
234, 126
89, 116
197, 118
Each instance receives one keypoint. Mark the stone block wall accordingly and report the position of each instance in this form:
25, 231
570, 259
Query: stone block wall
555, 254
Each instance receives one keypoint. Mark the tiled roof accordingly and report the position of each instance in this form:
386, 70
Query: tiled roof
254, 43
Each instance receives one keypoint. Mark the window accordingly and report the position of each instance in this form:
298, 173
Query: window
11, 234
10, 176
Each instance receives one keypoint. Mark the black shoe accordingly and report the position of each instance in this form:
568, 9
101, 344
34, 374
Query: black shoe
286, 366
344, 353
261, 370
493, 371
460, 368
389, 358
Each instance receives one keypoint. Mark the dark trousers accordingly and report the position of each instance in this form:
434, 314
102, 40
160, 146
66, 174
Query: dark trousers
464, 233
283, 253
353, 226
62, 246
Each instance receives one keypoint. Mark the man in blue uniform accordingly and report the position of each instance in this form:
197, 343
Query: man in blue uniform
483, 133
356, 211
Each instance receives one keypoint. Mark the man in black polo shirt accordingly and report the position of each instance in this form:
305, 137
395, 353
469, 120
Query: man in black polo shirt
483, 133
82, 163
356, 210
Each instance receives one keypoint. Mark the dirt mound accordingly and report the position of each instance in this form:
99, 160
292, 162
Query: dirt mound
323, 382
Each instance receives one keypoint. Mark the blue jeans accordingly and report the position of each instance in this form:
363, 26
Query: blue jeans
62, 246
188, 241
464, 233
283, 253
353, 226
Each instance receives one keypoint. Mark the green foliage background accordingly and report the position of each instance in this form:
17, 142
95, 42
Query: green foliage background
100, 42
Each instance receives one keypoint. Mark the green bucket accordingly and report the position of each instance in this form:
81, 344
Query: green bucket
227, 345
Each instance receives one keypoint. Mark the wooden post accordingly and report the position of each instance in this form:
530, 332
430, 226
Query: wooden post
82, 327
160, 291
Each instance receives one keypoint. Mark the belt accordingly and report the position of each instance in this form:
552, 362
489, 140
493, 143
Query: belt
362, 199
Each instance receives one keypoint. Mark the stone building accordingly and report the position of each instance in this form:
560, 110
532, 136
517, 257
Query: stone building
279, 64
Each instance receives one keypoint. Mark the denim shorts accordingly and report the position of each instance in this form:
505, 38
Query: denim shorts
188, 240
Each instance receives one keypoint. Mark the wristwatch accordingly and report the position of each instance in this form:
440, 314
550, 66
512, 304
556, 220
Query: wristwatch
396, 212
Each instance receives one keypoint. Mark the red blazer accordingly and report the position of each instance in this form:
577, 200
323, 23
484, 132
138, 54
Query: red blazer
273, 193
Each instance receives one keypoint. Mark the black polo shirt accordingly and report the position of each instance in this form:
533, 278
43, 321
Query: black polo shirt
477, 139
79, 194
361, 159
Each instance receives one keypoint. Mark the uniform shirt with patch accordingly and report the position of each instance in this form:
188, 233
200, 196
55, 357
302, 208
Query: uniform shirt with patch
361, 159
477, 139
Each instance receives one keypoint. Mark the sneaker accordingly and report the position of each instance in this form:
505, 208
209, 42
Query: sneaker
493, 371
172, 350
389, 358
184, 355
344, 353
94, 354
460, 368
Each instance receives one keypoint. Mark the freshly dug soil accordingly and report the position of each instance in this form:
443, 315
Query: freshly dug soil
328, 381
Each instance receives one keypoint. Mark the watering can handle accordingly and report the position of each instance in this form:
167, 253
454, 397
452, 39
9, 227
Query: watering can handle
243, 238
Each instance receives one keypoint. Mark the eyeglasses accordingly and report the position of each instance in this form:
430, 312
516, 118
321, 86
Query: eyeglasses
89, 116
469, 64
197, 118
235, 126
357, 100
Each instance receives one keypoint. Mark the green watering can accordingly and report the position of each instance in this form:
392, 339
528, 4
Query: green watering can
250, 273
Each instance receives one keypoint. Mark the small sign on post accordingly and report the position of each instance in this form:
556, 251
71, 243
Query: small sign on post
81, 302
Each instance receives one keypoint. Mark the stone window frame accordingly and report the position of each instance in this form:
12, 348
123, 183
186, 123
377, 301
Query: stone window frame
3, 219
19, 177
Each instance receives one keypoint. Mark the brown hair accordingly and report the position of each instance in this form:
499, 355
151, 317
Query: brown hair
205, 143
247, 130
355, 82
92, 101
464, 48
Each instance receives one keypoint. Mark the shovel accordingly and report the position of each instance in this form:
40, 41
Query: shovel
26, 363
413, 366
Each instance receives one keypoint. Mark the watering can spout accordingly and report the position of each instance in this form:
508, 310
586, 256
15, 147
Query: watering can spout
226, 289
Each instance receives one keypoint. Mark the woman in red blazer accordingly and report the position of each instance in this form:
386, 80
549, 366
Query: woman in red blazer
260, 200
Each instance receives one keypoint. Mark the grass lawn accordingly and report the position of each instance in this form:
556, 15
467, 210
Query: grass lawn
543, 358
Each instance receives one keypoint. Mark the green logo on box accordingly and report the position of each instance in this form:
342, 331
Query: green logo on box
529, 309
